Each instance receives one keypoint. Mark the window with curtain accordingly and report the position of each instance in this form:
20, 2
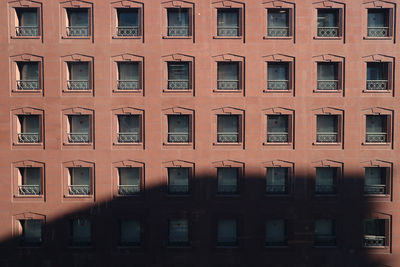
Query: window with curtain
327, 76
277, 128
28, 71
30, 176
78, 21
324, 232
226, 233
81, 232
275, 233
78, 71
178, 233
375, 180
374, 227
228, 22
278, 22
128, 128
378, 22
130, 232
178, 75
325, 180
278, 71
376, 124
128, 17
178, 21
27, 22
129, 180
228, 128
227, 180
328, 18
228, 75
128, 71
178, 128
79, 183
79, 128
178, 180
31, 232
277, 179
28, 128
377, 71
327, 128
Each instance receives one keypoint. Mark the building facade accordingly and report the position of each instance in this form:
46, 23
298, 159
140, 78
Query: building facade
199, 133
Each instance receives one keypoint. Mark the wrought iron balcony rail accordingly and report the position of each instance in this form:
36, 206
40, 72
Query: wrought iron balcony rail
377, 85
278, 137
78, 85
128, 189
128, 85
27, 84
228, 84
78, 137
132, 137
325, 189
78, 31
378, 31
128, 30
278, 84
227, 189
375, 189
376, 137
178, 30
28, 137
278, 31
328, 31
27, 31
327, 84
178, 137
325, 240
178, 84
29, 190
79, 190
327, 137
374, 241
228, 31
178, 189
228, 137
276, 189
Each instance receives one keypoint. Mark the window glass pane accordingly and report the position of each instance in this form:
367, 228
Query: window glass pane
226, 232
128, 17
27, 16
178, 180
324, 227
228, 123
277, 123
178, 123
228, 17
327, 71
128, 123
32, 230
178, 71
129, 176
78, 17
377, 18
128, 71
227, 179
277, 71
376, 124
326, 124
130, 232
28, 71
30, 176
327, 18
375, 175
81, 231
377, 71
325, 176
275, 231
277, 18
178, 231
178, 17
78, 71
277, 175
29, 123
228, 71
80, 175
375, 227
79, 123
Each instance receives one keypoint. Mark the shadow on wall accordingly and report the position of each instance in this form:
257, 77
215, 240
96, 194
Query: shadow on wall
250, 228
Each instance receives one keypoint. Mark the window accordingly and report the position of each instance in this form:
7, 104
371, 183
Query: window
78, 76
278, 76
377, 76
178, 76
77, 22
80, 233
277, 180
178, 22
227, 233
325, 233
178, 180
376, 180
275, 233
129, 181
79, 129
326, 180
28, 76
128, 128
278, 22
128, 76
327, 76
228, 76
228, 179
130, 233
375, 232
228, 22
29, 130
79, 181
178, 128
31, 234
378, 23
328, 23
377, 128
327, 129
27, 22
29, 182
128, 22
178, 233
228, 128
277, 128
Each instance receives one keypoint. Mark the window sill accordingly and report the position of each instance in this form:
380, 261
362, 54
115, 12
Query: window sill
277, 247
26, 37
172, 91
227, 144
227, 247
231, 195
326, 144
377, 91
322, 247
78, 144
138, 246
29, 196
277, 195
377, 195
126, 37
235, 91
376, 247
172, 246
77, 37
276, 144
177, 37
87, 91
28, 144
265, 37
327, 91
228, 37
79, 247
376, 144
127, 144
270, 91
183, 195
327, 38
377, 38
330, 195
36, 91
177, 144
79, 196
137, 195
136, 91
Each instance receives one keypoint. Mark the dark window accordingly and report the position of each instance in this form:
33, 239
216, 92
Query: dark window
129, 181
376, 129
375, 232
228, 22
325, 233
178, 234
81, 232
128, 76
130, 233
178, 128
277, 180
327, 76
79, 181
178, 180
376, 181
275, 233
129, 128
30, 181
278, 76
278, 22
28, 76
178, 75
228, 179
178, 22
377, 76
228, 76
326, 180
228, 129
327, 129
277, 128
78, 22
31, 232
28, 129
378, 23
27, 22
227, 233
128, 22
328, 23
78, 73
79, 129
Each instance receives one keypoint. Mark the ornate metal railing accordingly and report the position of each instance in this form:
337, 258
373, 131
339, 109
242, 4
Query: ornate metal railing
178, 30
28, 137
29, 190
27, 84
228, 31
375, 189
278, 84
78, 85
128, 30
178, 189
377, 85
276, 189
376, 137
128, 189
325, 240
325, 189
378, 31
27, 31
178, 137
128, 137
327, 137
327, 84
79, 189
78, 31
227, 189
228, 137
278, 137
78, 137
178, 84
228, 85
328, 31
128, 85
278, 31
374, 241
